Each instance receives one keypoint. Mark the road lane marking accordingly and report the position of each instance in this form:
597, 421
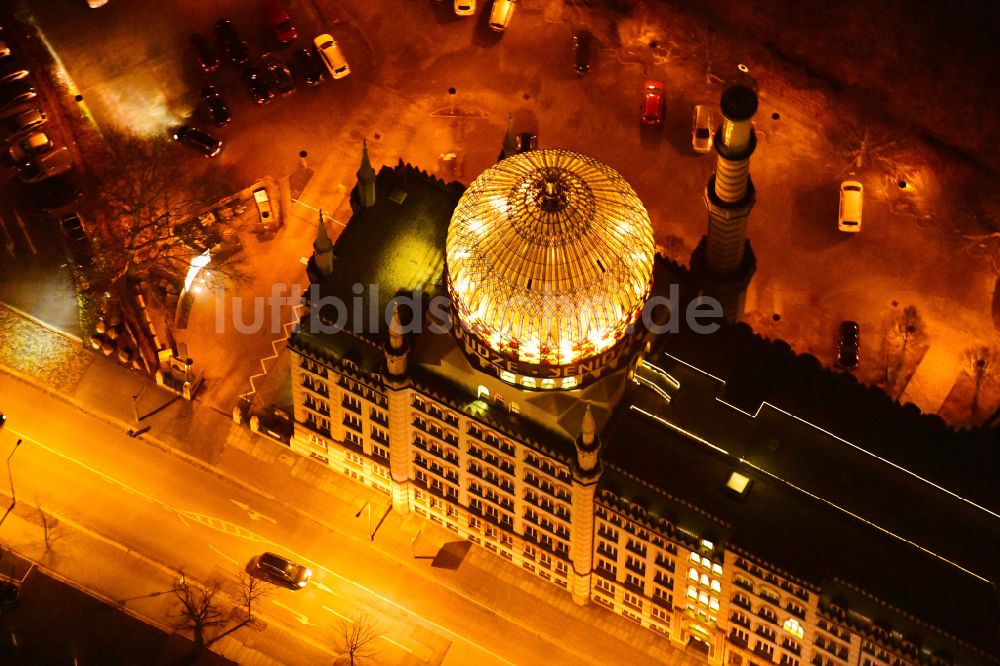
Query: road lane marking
223, 554
254, 515
24, 230
342, 617
209, 521
181, 518
301, 617
323, 587
10, 241
247, 534
399, 645
406, 610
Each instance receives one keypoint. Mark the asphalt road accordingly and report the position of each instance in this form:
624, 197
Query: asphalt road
164, 516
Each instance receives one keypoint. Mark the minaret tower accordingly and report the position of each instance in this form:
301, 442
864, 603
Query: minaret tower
323, 249
724, 260
366, 179
586, 472
397, 352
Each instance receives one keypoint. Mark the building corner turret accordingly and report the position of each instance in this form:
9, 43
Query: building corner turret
586, 472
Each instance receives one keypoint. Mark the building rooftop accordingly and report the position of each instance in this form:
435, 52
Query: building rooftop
817, 506
550, 257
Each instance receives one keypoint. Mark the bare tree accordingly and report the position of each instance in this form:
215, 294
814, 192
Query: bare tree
252, 589
355, 639
908, 325
979, 362
148, 223
199, 610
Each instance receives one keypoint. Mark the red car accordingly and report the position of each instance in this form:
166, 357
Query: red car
281, 22
652, 103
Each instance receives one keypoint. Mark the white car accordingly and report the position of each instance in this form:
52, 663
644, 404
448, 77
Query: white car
701, 132
851, 200
263, 205
46, 165
465, 7
32, 144
501, 13
329, 51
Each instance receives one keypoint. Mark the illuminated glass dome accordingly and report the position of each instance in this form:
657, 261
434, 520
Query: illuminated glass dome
550, 258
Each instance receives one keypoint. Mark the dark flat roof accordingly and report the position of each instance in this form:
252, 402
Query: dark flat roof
817, 508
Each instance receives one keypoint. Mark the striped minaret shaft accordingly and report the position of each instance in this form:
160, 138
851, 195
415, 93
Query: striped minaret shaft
730, 192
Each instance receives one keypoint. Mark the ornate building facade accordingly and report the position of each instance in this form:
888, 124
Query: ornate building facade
570, 442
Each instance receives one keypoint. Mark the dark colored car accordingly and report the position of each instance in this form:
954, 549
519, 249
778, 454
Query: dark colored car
9, 593
281, 77
257, 84
526, 141
282, 571
281, 23
234, 47
217, 108
56, 194
652, 103
77, 243
11, 71
848, 344
307, 65
207, 58
16, 93
203, 142
581, 43
3, 419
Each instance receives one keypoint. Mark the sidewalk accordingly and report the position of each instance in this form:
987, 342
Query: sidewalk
209, 439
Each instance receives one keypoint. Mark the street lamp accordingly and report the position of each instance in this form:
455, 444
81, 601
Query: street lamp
10, 477
367, 505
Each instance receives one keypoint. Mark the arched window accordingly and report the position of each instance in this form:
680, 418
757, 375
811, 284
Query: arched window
793, 627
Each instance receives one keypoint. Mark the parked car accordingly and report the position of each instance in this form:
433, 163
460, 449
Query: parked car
15, 94
307, 65
465, 7
235, 48
652, 103
217, 108
851, 200
526, 141
29, 145
582, 40
331, 55
22, 122
11, 71
263, 201
280, 21
206, 56
55, 195
256, 82
501, 13
281, 77
45, 166
9, 593
78, 244
848, 344
701, 130
282, 571
203, 142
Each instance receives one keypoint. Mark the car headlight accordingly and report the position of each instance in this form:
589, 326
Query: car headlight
309, 573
